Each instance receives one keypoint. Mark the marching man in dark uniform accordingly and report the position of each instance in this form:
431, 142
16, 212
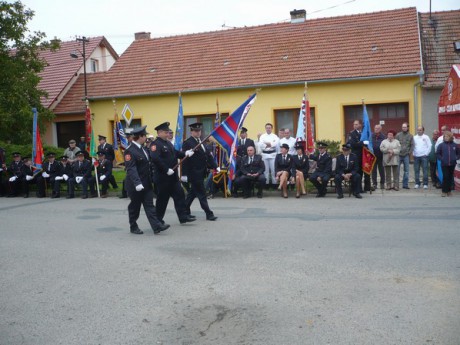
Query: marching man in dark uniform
50, 169
81, 171
16, 172
194, 170
65, 172
138, 184
321, 175
104, 172
109, 155
252, 172
347, 170
164, 158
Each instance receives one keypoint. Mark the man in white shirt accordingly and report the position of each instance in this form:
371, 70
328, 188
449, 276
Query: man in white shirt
441, 137
422, 149
268, 143
288, 140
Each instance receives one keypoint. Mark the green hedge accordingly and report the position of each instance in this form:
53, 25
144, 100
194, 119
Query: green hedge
26, 150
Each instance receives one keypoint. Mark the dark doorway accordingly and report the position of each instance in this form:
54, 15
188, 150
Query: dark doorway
69, 130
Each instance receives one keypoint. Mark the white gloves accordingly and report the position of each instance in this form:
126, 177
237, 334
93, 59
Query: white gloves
189, 153
65, 176
28, 177
102, 177
78, 179
59, 178
1, 169
170, 172
45, 175
139, 187
12, 179
218, 169
366, 142
184, 179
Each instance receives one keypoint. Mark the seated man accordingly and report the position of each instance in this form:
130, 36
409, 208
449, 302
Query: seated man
347, 170
50, 169
15, 170
104, 172
63, 175
27, 176
320, 177
81, 172
252, 172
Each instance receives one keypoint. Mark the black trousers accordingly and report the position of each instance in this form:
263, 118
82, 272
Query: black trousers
378, 166
83, 183
355, 182
247, 182
434, 177
447, 178
138, 199
104, 185
197, 190
43, 183
321, 187
166, 188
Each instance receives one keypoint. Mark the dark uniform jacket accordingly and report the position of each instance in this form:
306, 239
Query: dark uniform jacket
83, 169
27, 170
376, 141
242, 149
323, 163
354, 139
108, 151
256, 167
104, 167
16, 169
65, 170
195, 167
164, 157
283, 166
341, 164
301, 164
137, 166
51, 169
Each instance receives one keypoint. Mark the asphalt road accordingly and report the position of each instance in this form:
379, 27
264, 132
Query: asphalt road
381, 270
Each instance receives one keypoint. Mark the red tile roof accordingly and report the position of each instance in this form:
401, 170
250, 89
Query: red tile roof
61, 67
356, 46
438, 34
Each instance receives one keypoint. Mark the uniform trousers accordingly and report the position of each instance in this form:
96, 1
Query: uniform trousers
321, 187
138, 199
170, 187
197, 190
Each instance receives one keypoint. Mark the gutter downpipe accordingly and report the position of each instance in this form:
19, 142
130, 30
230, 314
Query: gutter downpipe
421, 74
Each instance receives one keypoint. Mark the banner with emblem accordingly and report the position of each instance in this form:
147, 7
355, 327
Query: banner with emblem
369, 158
37, 147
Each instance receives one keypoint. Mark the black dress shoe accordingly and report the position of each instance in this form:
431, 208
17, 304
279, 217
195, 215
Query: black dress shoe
70, 197
160, 228
84, 197
259, 195
26, 195
340, 196
188, 219
358, 196
245, 196
54, 196
211, 217
137, 231
122, 196
192, 216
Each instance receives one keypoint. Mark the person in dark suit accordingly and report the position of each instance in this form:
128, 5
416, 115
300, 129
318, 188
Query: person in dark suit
377, 138
164, 158
15, 170
300, 167
354, 139
194, 170
252, 172
244, 142
65, 172
50, 169
346, 169
81, 172
138, 184
2, 172
104, 172
109, 155
322, 174
283, 168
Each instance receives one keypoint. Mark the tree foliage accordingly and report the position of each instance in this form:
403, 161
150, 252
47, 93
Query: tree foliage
20, 65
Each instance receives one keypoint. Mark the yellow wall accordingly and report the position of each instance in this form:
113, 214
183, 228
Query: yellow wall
327, 98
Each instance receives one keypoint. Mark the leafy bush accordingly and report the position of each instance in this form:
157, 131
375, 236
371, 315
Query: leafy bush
334, 147
26, 150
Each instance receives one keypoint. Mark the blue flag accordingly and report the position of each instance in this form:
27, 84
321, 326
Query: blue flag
366, 134
179, 127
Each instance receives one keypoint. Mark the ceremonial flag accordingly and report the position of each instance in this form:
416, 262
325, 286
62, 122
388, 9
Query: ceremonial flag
305, 133
88, 129
227, 134
37, 147
178, 137
216, 150
119, 138
369, 158
300, 136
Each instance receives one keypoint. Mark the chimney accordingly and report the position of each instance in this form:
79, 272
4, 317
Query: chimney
298, 16
141, 36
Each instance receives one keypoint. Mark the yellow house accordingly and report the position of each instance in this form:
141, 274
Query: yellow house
373, 57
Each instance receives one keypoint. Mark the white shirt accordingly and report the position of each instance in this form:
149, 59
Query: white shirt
268, 138
438, 142
422, 145
290, 142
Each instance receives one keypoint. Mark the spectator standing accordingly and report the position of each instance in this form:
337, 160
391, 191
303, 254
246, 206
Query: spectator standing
406, 140
290, 141
433, 160
377, 138
422, 149
71, 151
268, 143
448, 153
390, 148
